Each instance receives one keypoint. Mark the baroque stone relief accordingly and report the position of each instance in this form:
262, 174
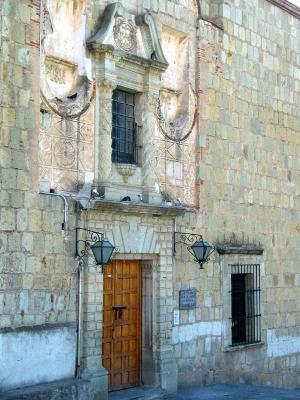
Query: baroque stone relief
66, 150
124, 35
130, 33
65, 84
176, 119
128, 236
66, 140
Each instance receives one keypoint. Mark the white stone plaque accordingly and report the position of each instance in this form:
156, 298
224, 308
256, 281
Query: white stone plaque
176, 317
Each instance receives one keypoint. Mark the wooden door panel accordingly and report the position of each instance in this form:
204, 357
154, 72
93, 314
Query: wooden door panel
122, 323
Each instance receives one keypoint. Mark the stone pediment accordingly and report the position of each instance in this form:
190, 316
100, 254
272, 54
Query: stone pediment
128, 33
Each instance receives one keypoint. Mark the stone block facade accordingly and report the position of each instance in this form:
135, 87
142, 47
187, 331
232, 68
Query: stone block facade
217, 88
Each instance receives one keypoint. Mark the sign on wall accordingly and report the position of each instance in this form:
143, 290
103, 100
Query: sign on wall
187, 299
176, 317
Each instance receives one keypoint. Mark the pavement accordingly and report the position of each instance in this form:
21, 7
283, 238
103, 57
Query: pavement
214, 392
236, 392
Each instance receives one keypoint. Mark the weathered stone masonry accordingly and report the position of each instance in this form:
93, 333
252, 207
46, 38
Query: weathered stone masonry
37, 280
239, 166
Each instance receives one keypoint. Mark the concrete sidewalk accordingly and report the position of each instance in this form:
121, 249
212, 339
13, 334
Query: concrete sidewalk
237, 392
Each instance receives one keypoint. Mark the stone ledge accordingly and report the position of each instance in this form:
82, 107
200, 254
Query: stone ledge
38, 328
243, 347
142, 208
249, 249
69, 389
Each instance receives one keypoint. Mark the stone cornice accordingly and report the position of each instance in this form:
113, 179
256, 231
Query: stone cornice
287, 6
60, 61
121, 56
148, 20
249, 249
141, 208
137, 60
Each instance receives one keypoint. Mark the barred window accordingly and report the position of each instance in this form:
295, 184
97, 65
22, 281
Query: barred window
245, 304
123, 128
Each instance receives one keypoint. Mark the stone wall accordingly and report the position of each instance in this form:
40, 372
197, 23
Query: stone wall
37, 270
248, 177
246, 81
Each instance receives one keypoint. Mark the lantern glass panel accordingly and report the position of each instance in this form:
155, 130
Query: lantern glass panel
199, 250
102, 251
208, 248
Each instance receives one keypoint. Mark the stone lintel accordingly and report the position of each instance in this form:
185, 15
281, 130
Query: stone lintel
100, 50
138, 208
145, 62
60, 62
250, 249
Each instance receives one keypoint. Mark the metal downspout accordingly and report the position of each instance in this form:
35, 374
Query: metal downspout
79, 319
65, 223
79, 311
77, 367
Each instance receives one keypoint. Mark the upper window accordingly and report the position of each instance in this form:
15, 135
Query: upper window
245, 304
123, 128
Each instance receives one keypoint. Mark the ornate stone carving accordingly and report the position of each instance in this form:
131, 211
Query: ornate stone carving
156, 51
148, 128
45, 153
126, 170
58, 70
180, 127
72, 106
120, 27
103, 126
55, 74
65, 89
64, 154
124, 35
128, 237
175, 168
66, 149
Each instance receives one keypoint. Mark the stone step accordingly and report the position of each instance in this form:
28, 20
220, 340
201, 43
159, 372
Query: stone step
69, 389
138, 393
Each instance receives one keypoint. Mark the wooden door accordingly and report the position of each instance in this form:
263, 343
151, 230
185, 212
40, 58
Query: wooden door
122, 323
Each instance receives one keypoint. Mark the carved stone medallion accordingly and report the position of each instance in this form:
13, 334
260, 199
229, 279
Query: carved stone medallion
64, 154
124, 35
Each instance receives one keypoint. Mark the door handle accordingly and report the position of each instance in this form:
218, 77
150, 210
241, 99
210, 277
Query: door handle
118, 311
115, 308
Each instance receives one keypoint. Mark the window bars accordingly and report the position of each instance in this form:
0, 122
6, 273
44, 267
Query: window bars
124, 128
245, 304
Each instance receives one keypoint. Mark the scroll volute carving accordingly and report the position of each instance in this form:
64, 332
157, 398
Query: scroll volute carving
176, 109
65, 88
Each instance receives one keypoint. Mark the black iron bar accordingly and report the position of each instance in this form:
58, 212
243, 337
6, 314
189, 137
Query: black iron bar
245, 304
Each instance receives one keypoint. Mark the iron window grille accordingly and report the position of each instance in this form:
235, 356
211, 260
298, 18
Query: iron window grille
124, 128
245, 304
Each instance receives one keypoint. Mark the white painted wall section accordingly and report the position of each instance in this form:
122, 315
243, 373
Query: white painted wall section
279, 346
31, 357
185, 333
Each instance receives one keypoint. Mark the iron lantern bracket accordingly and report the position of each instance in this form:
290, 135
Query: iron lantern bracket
185, 238
83, 245
188, 239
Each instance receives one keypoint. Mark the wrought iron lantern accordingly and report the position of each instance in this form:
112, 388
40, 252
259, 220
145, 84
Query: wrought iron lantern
101, 248
200, 249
